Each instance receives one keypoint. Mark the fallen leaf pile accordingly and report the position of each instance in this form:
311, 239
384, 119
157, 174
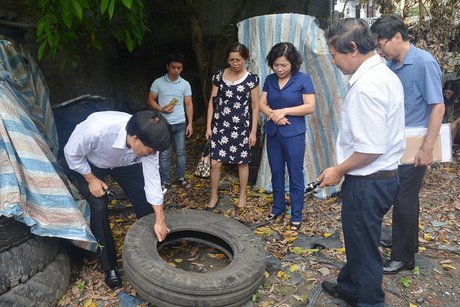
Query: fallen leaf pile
295, 271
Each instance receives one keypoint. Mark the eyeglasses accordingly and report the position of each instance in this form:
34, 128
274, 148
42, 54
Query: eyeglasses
379, 46
237, 61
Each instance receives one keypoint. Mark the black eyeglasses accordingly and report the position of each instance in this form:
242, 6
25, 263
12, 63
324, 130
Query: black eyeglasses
381, 46
235, 60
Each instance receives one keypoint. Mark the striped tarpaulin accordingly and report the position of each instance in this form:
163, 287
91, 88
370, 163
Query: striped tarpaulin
259, 34
23, 73
33, 188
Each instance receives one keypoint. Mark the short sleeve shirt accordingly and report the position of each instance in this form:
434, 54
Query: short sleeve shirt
167, 90
372, 117
420, 76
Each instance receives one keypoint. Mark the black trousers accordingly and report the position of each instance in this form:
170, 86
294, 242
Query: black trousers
131, 180
364, 204
406, 213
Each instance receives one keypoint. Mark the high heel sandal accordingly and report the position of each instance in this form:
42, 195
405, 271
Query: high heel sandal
273, 217
210, 209
295, 226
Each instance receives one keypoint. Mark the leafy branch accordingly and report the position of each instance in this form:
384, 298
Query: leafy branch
64, 26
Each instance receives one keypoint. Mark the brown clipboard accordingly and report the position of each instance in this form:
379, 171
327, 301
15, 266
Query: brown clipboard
413, 145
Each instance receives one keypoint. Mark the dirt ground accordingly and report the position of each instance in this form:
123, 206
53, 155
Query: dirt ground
298, 262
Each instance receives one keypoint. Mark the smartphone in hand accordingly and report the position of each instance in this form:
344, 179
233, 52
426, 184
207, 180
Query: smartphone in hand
171, 104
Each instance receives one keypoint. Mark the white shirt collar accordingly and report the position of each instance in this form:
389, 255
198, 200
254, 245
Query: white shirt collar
120, 141
365, 66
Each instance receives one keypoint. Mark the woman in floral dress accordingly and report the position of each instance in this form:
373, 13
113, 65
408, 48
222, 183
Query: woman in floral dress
231, 126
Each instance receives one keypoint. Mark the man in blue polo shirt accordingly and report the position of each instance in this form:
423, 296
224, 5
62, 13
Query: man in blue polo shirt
424, 107
168, 95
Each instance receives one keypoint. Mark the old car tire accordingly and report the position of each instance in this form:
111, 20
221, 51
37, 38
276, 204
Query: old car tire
42, 290
12, 233
20, 263
163, 285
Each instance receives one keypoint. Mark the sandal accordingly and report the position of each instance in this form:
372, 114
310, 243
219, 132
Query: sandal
210, 209
295, 226
273, 217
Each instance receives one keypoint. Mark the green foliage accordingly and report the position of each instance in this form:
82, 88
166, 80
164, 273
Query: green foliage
432, 24
81, 284
64, 26
255, 296
405, 281
297, 250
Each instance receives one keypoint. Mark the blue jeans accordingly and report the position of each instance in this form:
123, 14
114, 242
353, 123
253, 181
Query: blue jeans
178, 142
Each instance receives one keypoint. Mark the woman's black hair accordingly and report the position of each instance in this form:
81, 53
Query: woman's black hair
350, 34
237, 47
151, 128
289, 52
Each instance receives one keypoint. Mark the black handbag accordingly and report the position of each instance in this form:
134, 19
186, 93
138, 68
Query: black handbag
215, 99
203, 168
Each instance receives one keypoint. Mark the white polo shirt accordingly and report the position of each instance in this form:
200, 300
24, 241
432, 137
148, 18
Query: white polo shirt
372, 117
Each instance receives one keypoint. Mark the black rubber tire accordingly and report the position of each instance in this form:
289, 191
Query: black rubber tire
22, 262
163, 285
12, 233
42, 290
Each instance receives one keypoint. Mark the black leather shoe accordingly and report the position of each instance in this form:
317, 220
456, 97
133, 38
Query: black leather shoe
386, 242
112, 279
333, 289
393, 266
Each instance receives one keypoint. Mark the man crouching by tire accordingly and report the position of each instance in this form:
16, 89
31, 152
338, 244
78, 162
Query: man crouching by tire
125, 147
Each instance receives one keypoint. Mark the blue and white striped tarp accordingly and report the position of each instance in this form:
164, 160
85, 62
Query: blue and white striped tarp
23, 73
259, 34
33, 189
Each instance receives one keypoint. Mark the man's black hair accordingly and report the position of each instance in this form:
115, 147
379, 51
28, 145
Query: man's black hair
151, 128
289, 52
386, 27
175, 57
342, 35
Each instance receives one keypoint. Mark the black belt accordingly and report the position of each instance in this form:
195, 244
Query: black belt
377, 175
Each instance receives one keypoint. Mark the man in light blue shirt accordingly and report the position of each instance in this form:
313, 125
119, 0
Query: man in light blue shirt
424, 107
169, 95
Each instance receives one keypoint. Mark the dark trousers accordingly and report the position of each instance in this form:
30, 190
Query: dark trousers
364, 204
282, 152
406, 213
131, 180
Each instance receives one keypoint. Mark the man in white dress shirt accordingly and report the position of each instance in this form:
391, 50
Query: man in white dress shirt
125, 147
369, 145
